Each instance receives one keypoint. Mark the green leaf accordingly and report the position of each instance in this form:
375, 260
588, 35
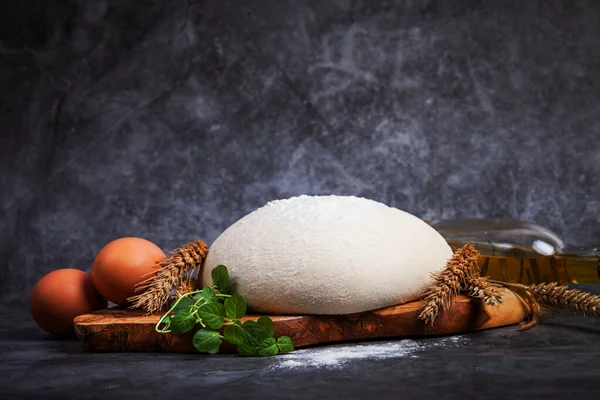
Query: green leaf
235, 306
212, 314
182, 322
220, 277
254, 332
247, 350
267, 324
285, 344
268, 347
209, 295
234, 334
183, 304
207, 341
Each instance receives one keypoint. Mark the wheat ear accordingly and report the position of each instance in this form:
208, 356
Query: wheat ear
460, 276
448, 283
177, 272
481, 288
553, 296
557, 296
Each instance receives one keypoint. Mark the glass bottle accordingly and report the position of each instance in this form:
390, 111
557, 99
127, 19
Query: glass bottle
522, 252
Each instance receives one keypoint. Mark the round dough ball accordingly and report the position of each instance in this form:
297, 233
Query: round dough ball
328, 255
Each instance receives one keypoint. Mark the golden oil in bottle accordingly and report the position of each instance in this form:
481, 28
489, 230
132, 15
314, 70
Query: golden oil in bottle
573, 267
522, 252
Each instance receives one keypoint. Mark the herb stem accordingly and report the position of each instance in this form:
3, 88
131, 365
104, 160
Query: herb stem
197, 303
156, 328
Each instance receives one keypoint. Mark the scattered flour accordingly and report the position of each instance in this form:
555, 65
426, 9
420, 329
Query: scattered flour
336, 356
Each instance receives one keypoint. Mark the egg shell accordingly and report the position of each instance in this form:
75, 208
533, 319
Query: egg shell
122, 264
62, 295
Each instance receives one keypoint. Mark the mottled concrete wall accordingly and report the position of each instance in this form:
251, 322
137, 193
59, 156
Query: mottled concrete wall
171, 121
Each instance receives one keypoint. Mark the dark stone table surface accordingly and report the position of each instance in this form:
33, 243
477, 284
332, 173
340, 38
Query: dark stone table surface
556, 360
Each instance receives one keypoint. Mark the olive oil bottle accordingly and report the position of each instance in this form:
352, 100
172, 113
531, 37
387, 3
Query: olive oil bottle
522, 252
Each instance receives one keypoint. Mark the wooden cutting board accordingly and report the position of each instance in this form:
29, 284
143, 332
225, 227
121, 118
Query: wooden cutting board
118, 329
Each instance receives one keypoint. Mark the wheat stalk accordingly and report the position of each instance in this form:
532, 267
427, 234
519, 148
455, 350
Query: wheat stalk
481, 288
184, 287
177, 272
459, 276
449, 283
553, 296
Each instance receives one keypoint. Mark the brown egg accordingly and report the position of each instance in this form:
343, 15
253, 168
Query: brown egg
123, 263
62, 295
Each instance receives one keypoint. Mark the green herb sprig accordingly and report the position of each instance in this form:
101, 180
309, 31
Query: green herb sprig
211, 308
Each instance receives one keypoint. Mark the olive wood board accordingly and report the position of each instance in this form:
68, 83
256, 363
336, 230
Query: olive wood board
122, 330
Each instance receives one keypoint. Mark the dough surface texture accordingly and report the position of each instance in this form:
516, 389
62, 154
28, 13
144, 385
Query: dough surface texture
328, 255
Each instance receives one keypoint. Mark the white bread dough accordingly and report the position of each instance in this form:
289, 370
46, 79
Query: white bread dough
328, 255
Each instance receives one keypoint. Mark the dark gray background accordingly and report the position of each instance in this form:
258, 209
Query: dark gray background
170, 120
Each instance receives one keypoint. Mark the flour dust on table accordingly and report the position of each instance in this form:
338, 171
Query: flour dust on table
333, 357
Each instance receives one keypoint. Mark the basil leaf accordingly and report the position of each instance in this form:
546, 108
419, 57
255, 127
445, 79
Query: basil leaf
268, 347
267, 324
220, 277
182, 322
254, 332
209, 295
234, 334
198, 296
285, 344
183, 304
235, 306
207, 341
247, 350
212, 314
